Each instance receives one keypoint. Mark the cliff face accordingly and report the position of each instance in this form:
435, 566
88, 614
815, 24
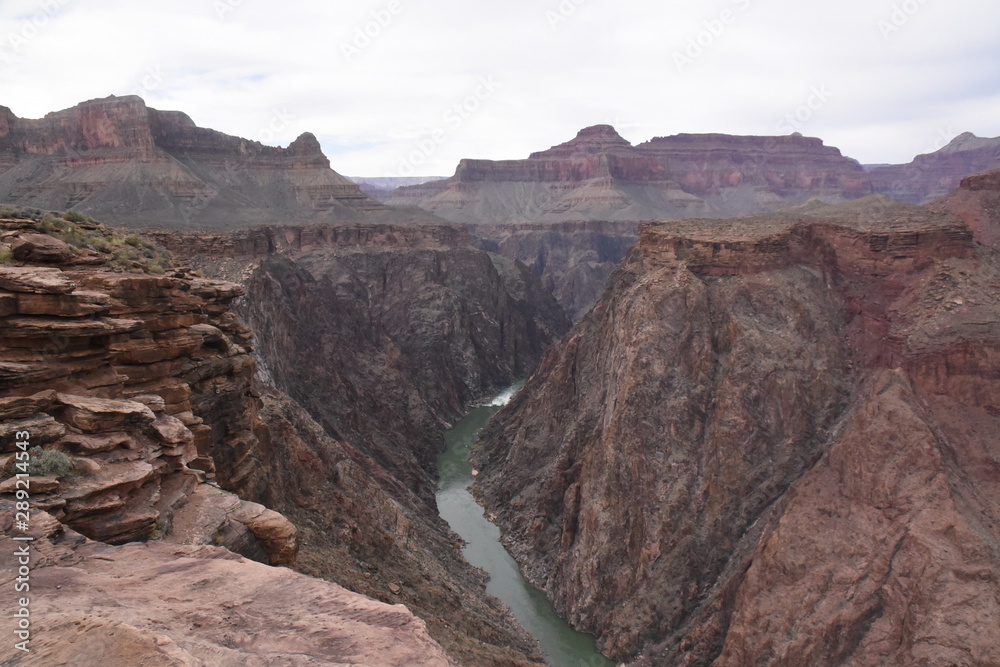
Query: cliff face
572, 259
600, 176
936, 174
380, 335
788, 168
121, 161
771, 442
140, 379
977, 203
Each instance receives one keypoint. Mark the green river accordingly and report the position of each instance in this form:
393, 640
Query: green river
561, 645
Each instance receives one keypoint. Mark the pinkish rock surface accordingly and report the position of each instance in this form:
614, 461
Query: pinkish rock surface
167, 604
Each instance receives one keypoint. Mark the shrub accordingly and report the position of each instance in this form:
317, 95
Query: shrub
73, 216
132, 240
48, 462
6, 256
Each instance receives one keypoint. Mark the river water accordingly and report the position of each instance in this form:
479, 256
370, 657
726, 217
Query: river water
561, 645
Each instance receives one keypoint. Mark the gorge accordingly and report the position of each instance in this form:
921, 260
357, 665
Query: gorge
749, 436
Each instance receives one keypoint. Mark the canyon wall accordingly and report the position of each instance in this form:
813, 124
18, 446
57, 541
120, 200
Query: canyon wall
572, 259
933, 175
772, 441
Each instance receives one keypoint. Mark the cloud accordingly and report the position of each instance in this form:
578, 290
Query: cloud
377, 80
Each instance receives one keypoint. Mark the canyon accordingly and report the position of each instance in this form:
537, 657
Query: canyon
772, 441
768, 439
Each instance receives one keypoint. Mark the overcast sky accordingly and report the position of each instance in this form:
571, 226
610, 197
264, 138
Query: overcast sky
396, 87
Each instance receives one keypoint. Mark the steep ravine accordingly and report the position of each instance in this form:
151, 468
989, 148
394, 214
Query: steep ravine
373, 340
772, 441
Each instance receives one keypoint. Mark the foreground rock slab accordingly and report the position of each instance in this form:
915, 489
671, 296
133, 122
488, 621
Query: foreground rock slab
166, 604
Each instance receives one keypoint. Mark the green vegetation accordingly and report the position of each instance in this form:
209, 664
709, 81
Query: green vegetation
6, 256
42, 462
126, 252
48, 462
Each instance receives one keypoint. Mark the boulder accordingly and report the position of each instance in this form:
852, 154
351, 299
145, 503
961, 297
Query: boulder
101, 415
42, 248
35, 280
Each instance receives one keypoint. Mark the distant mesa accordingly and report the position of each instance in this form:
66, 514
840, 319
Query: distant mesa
598, 175
121, 161
934, 175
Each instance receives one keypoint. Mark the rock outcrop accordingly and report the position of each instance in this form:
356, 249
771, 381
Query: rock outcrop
164, 604
136, 379
772, 441
123, 162
977, 203
934, 175
601, 176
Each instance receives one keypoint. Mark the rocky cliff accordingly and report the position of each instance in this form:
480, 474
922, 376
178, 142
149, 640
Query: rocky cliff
977, 203
772, 441
123, 162
134, 380
600, 176
933, 175
572, 259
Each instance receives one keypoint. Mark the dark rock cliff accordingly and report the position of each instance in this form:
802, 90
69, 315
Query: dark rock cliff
773, 441
374, 338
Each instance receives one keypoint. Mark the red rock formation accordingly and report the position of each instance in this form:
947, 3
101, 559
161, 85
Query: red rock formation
792, 168
139, 378
933, 175
600, 176
977, 203
123, 162
771, 442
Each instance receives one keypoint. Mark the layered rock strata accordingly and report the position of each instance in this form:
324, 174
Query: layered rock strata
772, 441
600, 176
123, 162
138, 379
977, 203
934, 175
